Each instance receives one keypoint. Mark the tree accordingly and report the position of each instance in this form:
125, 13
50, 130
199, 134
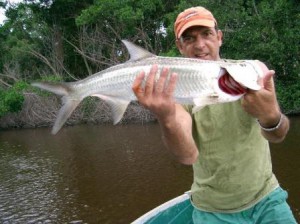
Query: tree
141, 21
72, 39
59, 16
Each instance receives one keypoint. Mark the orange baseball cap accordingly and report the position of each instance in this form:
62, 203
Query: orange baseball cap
195, 16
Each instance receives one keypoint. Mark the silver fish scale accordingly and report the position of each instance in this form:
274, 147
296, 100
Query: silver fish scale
194, 78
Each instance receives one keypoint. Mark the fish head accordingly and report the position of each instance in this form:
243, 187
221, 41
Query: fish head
225, 89
226, 84
245, 74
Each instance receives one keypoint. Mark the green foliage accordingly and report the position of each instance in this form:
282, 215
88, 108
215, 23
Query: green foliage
3, 3
51, 78
113, 11
267, 30
269, 34
129, 19
11, 100
21, 33
20, 86
288, 95
88, 105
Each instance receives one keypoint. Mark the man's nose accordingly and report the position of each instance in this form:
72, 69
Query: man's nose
200, 42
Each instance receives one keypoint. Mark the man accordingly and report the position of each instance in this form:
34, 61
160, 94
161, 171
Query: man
226, 143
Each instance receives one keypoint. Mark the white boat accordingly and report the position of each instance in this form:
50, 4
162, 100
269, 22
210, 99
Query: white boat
177, 210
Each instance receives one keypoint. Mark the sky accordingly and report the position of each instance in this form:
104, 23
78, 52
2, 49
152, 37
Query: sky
2, 12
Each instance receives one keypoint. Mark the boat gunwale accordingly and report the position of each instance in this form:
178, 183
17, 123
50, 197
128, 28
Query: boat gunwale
163, 207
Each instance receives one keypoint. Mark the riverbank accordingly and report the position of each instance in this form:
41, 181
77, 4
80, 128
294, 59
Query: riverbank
41, 111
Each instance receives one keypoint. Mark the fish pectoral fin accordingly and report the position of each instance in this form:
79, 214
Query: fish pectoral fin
197, 108
201, 102
117, 105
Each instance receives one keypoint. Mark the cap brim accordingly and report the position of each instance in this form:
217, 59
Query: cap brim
202, 22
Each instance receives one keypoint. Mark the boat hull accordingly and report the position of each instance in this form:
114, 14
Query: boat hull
177, 210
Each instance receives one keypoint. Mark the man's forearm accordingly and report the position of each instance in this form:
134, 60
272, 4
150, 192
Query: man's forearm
177, 137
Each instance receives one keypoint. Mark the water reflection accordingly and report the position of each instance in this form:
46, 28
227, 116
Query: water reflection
285, 157
28, 185
86, 174
103, 174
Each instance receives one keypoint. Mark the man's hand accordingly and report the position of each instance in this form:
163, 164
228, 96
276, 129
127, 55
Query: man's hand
263, 105
156, 96
175, 122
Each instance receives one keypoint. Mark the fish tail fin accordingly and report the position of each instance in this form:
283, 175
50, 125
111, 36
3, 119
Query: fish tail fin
61, 89
64, 113
69, 104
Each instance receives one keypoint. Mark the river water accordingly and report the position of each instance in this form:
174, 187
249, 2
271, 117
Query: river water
105, 173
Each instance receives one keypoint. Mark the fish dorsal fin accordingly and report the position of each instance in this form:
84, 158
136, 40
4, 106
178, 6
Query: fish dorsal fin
136, 52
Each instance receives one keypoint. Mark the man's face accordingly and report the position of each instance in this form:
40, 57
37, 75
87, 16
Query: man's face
200, 42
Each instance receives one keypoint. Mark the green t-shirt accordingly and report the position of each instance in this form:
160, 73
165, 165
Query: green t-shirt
234, 169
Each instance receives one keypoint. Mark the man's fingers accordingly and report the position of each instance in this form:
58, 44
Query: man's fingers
171, 86
150, 81
268, 81
160, 85
137, 85
152, 90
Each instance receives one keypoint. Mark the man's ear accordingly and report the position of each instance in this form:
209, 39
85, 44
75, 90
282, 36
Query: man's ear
220, 37
179, 45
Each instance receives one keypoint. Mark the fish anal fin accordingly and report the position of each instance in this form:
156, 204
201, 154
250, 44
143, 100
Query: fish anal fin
118, 109
117, 105
197, 108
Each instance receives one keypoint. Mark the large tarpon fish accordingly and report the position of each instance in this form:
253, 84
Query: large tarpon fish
199, 82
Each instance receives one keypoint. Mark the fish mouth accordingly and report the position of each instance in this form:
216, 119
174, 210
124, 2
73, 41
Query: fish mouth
228, 85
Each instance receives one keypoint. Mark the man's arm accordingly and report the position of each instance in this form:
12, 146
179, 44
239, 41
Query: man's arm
264, 106
175, 122
177, 136
277, 131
